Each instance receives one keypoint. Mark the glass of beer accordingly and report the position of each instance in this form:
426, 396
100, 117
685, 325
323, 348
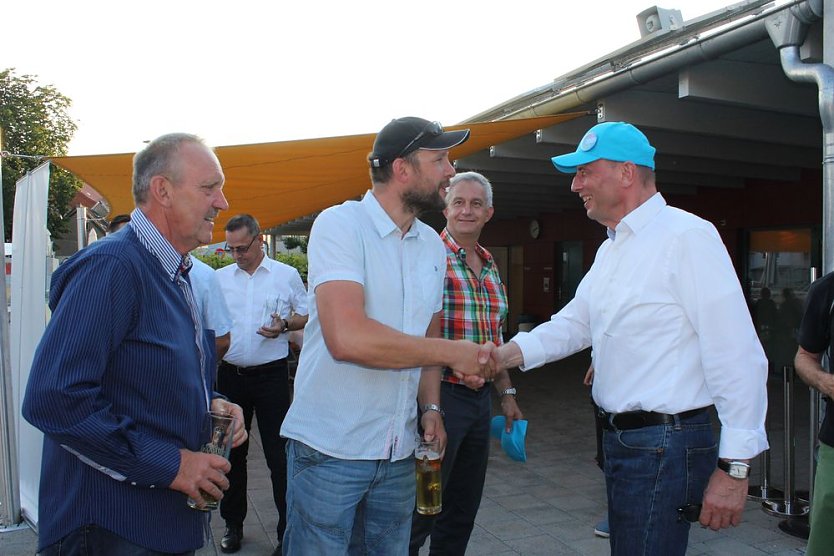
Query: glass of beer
222, 433
427, 459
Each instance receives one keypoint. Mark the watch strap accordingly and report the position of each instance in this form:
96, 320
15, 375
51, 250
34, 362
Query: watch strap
432, 407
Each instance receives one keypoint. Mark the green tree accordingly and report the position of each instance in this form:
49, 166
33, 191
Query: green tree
34, 121
291, 242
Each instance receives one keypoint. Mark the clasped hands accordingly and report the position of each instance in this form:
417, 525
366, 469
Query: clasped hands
475, 364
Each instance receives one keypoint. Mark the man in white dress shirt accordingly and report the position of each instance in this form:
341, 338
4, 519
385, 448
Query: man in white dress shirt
267, 299
672, 336
376, 289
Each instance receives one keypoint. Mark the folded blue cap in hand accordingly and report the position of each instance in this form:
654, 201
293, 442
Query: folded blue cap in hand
514, 441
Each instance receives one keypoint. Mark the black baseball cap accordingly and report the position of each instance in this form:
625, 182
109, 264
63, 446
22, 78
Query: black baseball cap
402, 136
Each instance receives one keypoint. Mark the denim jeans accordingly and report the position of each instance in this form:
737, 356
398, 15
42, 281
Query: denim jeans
91, 540
338, 506
462, 473
650, 473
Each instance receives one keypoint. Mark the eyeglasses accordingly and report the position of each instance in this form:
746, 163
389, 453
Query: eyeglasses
690, 512
239, 250
433, 129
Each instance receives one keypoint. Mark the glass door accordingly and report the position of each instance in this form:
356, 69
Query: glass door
779, 263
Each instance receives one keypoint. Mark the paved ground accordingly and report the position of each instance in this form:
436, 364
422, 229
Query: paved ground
549, 505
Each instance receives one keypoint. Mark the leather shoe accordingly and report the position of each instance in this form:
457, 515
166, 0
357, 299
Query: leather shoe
231, 539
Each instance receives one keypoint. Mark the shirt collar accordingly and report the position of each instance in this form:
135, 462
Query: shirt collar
380, 219
172, 262
640, 217
460, 252
264, 264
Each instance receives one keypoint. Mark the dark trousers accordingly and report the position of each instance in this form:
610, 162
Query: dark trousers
92, 540
463, 471
265, 392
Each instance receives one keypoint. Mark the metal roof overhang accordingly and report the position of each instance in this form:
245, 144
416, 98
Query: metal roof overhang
288, 180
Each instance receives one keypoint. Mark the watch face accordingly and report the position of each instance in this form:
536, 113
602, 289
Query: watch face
738, 471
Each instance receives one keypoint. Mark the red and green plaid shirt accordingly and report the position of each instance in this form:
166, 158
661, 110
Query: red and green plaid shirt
474, 307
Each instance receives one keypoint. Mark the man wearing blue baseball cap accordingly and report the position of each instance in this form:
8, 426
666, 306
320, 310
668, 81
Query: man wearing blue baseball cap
672, 337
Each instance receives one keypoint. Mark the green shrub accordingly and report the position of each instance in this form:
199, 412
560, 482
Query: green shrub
219, 260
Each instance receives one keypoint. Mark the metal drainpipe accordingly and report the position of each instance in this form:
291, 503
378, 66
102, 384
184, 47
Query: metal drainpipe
788, 29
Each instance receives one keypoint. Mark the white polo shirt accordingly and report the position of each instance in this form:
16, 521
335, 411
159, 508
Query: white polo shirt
343, 409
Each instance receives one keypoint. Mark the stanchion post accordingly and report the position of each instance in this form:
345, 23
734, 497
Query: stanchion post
790, 507
764, 491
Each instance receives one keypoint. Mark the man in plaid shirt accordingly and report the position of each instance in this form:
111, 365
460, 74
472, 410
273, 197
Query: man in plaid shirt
474, 308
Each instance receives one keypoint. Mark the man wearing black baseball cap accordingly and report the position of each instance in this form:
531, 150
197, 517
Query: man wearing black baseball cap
672, 337
373, 352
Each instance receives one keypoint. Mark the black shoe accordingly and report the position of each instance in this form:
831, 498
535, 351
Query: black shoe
231, 539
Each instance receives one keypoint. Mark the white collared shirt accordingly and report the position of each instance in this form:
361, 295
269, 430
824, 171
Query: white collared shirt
247, 296
340, 408
665, 314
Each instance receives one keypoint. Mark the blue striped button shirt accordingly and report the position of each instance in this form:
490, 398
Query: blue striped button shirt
118, 386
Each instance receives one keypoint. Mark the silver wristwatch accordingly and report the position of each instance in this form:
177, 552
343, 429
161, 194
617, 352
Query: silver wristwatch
735, 469
433, 407
508, 392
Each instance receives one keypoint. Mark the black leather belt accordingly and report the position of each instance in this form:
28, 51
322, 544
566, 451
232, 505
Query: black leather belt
254, 370
631, 420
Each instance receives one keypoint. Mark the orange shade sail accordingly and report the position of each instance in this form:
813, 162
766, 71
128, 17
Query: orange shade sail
279, 182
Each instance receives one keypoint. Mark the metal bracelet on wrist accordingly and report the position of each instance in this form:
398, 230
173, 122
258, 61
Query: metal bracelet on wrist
433, 407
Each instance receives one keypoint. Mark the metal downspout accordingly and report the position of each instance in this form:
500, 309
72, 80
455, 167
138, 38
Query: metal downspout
788, 29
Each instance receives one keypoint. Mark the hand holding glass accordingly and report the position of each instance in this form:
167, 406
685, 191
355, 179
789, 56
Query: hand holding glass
429, 492
222, 434
271, 307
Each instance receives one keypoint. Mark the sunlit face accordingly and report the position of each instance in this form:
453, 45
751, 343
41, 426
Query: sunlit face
598, 184
196, 197
245, 248
467, 210
432, 172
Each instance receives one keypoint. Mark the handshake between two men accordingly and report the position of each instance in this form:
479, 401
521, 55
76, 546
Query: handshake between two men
475, 364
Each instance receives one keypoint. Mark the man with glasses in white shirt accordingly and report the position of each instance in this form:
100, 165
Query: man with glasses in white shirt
267, 299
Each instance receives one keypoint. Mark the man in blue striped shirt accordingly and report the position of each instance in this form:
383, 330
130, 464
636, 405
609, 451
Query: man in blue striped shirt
121, 381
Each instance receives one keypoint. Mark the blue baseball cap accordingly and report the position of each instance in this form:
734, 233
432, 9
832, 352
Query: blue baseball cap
514, 441
617, 141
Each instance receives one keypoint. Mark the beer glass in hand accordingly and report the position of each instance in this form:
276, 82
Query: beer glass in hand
222, 433
427, 459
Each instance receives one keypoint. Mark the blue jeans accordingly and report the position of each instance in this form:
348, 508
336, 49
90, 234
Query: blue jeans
91, 540
650, 473
338, 506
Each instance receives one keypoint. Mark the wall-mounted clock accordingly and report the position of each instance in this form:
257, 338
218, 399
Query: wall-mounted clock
535, 229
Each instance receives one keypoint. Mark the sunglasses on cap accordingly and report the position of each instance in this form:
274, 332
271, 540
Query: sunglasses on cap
433, 129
